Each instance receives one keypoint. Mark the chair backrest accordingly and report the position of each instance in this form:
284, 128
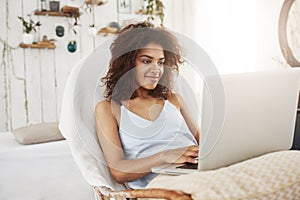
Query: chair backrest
77, 122
83, 91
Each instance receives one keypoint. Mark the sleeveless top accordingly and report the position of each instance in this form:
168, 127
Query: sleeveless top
141, 137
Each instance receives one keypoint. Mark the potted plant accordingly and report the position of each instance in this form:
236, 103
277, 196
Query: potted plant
28, 27
155, 7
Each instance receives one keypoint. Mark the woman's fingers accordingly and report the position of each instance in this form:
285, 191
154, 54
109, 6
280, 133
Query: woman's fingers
191, 160
181, 155
189, 154
192, 151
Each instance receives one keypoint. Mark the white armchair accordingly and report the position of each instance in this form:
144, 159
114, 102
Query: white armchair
77, 124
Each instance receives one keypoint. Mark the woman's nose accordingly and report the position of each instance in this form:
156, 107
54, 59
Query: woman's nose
155, 66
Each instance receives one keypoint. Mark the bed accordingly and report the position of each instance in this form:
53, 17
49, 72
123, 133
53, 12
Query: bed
39, 171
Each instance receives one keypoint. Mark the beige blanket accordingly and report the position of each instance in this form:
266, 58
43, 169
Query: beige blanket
271, 176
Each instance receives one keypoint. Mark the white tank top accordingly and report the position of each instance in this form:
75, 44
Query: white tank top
141, 137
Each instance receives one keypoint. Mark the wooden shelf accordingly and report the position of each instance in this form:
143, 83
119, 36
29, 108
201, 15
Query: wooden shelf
39, 45
95, 2
107, 30
57, 14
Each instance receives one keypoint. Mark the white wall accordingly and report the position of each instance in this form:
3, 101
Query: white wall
268, 53
32, 84
239, 35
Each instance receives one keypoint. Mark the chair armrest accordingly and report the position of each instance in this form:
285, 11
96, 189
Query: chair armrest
157, 193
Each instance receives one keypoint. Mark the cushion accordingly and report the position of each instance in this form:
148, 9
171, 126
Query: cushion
38, 133
271, 176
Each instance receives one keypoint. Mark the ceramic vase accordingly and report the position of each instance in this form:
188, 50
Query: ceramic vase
27, 38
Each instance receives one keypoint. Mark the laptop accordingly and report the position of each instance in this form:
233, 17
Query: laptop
244, 116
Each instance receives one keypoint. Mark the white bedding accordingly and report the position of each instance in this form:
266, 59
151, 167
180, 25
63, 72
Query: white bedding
41, 171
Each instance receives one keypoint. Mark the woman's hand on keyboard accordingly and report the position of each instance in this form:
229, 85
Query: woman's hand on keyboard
181, 155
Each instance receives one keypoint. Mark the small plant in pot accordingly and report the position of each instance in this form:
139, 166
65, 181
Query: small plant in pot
28, 28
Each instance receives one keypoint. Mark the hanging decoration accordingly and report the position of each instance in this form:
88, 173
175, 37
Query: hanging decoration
92, 31
60, 31
72, 46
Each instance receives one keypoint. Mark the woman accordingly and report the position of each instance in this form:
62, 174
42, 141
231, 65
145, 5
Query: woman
142, 123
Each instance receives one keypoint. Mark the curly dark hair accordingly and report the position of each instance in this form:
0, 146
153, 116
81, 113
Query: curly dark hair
124, 51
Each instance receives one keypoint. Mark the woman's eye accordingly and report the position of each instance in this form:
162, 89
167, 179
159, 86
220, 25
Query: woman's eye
160, 63
146, 61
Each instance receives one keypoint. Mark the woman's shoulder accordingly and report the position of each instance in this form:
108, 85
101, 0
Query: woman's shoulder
175, 99
107, 107
103, 108
104, 104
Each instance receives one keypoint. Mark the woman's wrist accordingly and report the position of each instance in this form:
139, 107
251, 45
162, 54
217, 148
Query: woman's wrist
162, 157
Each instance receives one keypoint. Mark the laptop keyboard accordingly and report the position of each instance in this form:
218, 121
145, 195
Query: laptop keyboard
188, 166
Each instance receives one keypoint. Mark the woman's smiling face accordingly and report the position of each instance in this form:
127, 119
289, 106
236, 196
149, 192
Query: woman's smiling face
149, 66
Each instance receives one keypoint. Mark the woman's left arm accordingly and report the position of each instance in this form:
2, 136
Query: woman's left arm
191, 123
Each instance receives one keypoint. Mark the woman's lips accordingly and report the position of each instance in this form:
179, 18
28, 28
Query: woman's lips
152, 78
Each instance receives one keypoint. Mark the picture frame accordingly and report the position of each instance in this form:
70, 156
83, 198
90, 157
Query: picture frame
124, 6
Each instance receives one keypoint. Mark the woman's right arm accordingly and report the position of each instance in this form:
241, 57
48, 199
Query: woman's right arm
123, 170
